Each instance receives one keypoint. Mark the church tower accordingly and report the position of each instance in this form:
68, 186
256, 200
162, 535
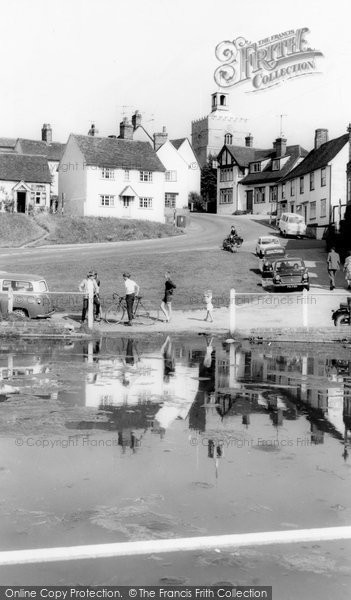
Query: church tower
209, 134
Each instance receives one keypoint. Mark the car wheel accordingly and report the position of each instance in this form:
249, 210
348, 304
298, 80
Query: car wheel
342, 320
21, 313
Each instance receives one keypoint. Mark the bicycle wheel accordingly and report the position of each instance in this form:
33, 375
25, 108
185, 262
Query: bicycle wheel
144, 316
114, 314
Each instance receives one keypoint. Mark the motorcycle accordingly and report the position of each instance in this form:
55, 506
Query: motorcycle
341, 316
232, 244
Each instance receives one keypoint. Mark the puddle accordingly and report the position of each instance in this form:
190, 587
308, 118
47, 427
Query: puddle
118, 440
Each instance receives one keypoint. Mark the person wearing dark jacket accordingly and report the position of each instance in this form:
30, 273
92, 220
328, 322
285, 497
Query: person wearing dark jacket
166, 304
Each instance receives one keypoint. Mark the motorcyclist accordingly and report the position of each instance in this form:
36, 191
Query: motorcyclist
233, 234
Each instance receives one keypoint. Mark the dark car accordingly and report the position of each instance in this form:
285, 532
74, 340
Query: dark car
269, 257
290, 273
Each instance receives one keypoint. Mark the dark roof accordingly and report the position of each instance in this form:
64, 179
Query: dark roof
24, 167
243, 155
126, 154
177, 143
7, 142
268, 175
318, 158
53, 151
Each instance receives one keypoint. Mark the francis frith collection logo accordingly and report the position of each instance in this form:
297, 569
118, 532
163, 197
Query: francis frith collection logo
265, 63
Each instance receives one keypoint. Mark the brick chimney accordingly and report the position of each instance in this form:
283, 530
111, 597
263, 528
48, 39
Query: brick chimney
160, 138
136, 119
46, 133
280, 146
125, 129
320, 137
249, 141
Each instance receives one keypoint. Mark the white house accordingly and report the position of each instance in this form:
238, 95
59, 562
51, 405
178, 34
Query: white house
112, 177
53, 152
24, 182
247, 177
316, 188
182, 173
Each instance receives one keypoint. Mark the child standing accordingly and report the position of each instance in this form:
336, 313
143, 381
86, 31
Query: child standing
209, 306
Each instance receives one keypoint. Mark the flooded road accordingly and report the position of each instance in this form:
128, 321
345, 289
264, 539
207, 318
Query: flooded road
123, 439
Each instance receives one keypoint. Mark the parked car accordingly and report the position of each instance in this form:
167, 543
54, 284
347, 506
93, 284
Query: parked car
290, 273
30, 295
269, 256
265, 242
292, 224
341, 316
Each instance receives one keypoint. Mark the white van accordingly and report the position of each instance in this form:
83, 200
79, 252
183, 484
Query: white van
292, 224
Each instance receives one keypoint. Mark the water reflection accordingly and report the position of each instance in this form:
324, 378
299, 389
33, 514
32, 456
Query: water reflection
213, 387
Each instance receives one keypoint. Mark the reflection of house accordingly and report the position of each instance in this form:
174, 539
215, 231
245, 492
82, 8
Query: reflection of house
24, 182
112, 177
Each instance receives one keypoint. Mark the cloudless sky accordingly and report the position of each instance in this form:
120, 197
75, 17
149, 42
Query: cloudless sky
74, 62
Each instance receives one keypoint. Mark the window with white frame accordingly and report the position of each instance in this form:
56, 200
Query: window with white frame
275, 165
107, 200
283, 191
226, 175
302, 185
126, 174
313, 210
145, 175
312, 180
226, 196
171, 175
259, 195
107, 173
38, 194
145, 202
292, 187
324, 207
170, 200
255, 167
273, 193
323, 177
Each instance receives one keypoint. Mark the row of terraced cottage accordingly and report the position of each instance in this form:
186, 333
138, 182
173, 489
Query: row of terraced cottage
284, 178
134, 175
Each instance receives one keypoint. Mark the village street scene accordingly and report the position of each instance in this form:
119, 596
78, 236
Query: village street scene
175, 302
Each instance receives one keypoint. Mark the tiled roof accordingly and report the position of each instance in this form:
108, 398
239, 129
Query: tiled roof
268, 175
243, 155
53, 151
320, 157
24, 167
114, 153
9, 143
177, 143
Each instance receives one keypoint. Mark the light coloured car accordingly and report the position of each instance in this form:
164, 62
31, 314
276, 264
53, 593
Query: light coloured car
267, 242
292, 224
30, 295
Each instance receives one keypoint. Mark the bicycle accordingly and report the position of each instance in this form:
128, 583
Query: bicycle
116, 312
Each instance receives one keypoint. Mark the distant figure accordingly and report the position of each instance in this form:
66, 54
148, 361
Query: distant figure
347, 269
233, 233
166, 304
333, 265
97, 304
85, 286
132, 290
209, 306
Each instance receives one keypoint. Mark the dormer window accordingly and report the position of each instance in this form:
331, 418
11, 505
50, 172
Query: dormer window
228, 138
276, 165
255, 167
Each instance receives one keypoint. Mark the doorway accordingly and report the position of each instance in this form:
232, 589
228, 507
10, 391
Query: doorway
249, 199
21, 202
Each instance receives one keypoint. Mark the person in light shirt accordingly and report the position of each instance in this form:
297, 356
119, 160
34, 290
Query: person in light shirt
132, 290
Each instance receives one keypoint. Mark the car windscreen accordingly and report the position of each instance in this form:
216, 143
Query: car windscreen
289, 265
295, 219
269, 241
40, 286
274, 252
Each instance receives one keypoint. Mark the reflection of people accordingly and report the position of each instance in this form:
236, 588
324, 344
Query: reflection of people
130, 361
347, 270
209, 306
168, 359
208, 355
84, 287
166, 304
333, 265
132, 290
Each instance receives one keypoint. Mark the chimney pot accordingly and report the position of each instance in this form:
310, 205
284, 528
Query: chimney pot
321, 136
126, 129
249, 141
136, 119
280, 146
46, 133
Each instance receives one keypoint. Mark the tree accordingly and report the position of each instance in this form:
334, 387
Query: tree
209, 181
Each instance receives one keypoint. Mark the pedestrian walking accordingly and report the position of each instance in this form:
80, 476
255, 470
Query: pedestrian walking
97, 303
209, 306
166, 304
333, 265
347, 269
132, 290
88, 284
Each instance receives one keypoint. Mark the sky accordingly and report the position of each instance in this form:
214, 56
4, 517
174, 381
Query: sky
74, 62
